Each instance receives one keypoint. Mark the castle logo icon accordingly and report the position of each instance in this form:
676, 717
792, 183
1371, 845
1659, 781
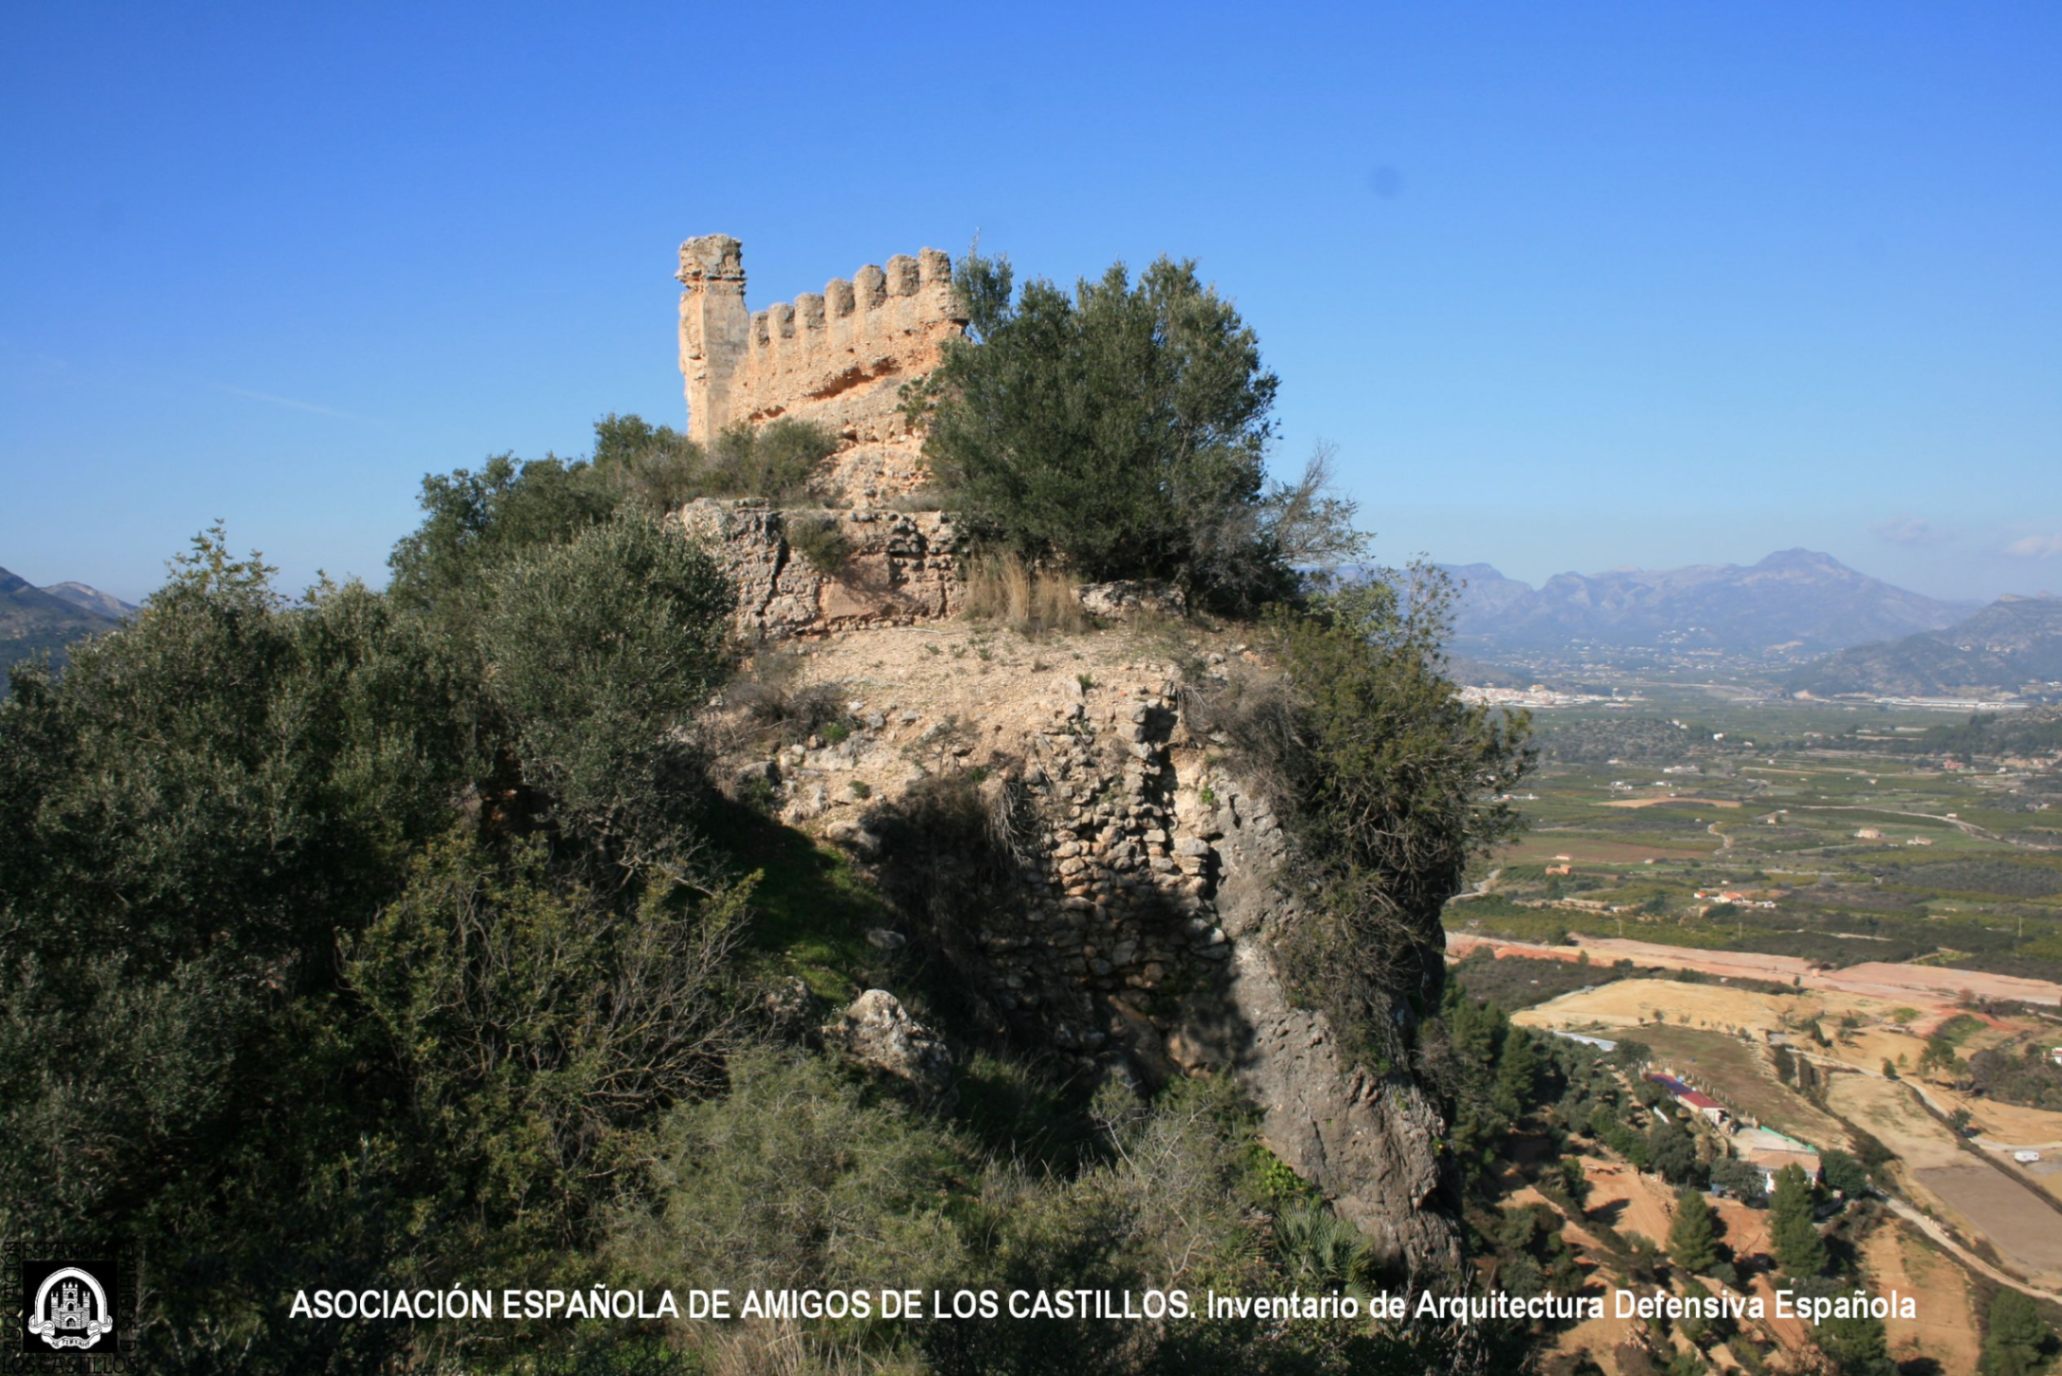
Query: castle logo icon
69, 1308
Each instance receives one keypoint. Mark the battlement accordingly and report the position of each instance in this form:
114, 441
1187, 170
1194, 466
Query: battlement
838, 357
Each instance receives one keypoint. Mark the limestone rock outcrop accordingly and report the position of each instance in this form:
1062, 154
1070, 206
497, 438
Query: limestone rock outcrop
1128, 595
877, 1032
1152, 899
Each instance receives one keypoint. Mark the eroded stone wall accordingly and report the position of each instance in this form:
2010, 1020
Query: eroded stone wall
838, 358
899, 567
1145, 939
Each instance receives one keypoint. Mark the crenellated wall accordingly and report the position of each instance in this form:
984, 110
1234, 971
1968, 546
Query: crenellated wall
838, 358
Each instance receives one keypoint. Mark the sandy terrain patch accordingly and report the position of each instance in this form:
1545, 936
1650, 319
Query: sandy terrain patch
1671, 802
1628, 1201
1937, 983
2046, 1173
1946, 1327
1928, 989
1631, 1002
1735, 964
2008, 1125
1980, 1201
1888, 1110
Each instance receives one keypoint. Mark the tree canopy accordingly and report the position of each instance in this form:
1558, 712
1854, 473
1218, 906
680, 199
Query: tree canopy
1123, 429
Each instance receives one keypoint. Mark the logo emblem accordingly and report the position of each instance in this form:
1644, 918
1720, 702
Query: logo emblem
68, 1307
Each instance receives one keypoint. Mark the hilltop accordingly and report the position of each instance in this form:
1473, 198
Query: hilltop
788, 854
36, 621
1794, 602
86, 597
2010, 646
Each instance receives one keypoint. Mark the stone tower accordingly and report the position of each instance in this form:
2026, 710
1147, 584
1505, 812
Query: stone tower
714, 328
838, 359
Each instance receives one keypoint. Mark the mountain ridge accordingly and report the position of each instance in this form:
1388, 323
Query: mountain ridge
37, 621
2014, 642
1794, 601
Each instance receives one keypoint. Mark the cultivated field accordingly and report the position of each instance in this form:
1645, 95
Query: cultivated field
1805, 831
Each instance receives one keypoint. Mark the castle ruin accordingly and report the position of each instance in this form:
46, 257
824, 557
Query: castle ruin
838, 359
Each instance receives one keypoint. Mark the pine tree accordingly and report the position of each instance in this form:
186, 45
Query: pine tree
2014, 1344
1693, 1237
1857, 1346
1799, 1248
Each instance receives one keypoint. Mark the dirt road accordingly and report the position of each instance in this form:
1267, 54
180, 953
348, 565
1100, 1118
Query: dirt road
1877, 979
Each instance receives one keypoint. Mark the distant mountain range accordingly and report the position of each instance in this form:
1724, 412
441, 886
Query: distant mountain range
2013, 644
1795, 603
36, 621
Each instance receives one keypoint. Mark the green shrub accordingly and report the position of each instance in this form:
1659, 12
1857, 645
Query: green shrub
1123, 429
1387, 780
656, 469
596, 650
777, 462
821, 541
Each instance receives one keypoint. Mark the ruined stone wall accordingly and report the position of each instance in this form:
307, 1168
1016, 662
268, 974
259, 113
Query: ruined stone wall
1152, 933
1144, 942
838, 358
901, 567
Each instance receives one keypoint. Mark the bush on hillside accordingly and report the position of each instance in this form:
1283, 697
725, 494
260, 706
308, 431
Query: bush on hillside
657, 469
1123, 429
1386, 779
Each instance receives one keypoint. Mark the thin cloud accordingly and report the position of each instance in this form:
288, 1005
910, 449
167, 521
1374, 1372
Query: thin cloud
1907, 530
2035, 547
311, 407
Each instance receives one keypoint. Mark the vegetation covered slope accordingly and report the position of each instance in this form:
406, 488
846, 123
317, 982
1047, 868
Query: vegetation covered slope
2014, 642
37, 622
399, 940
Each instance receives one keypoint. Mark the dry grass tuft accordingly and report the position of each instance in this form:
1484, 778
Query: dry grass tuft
1029, 600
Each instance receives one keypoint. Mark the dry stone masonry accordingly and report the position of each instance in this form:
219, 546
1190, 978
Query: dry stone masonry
838, 359
900, 566
1153, 895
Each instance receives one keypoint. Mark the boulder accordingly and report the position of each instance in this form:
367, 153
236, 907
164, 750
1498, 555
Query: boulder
877, 1032
1127, 595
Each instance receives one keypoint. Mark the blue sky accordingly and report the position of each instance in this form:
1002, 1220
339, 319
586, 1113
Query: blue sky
1569, 286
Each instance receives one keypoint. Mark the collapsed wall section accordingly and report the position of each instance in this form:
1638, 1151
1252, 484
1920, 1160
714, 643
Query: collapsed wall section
892, 567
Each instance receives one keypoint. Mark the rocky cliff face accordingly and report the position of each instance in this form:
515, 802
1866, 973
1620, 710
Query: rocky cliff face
1137, 926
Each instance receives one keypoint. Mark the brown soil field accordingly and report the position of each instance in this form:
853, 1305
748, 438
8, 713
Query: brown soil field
1630, 1202
1671, 802
1541, 847
1979, 1200
2023, 1229
2046, 1173
1888, 1110
1931, 989
1631, 1002
1946, 1327
1937, 984
2008, 1125
1730, 964
1634, 1203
